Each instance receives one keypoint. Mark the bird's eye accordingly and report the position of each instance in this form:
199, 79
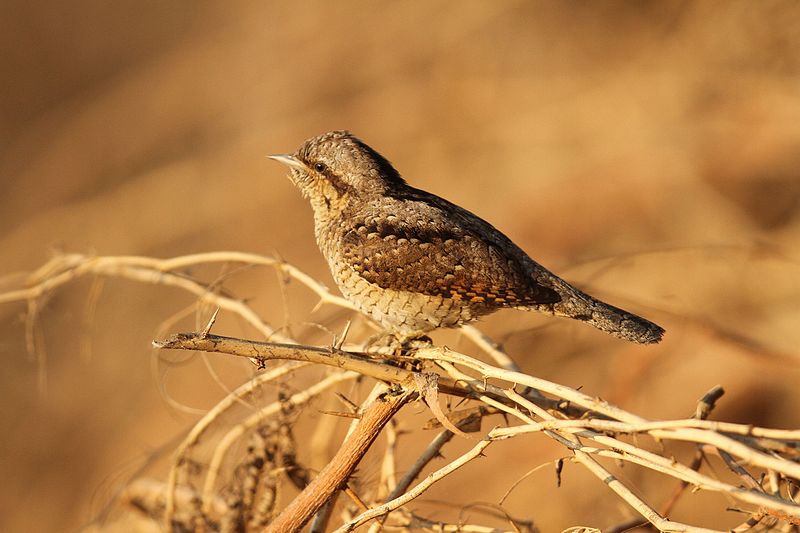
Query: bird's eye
319, 167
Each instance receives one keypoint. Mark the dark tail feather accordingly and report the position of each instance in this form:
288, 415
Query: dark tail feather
613, 320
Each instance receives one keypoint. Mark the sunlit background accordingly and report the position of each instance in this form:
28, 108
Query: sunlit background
647, 151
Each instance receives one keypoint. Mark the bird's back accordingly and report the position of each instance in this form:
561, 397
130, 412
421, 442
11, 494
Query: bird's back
414, 242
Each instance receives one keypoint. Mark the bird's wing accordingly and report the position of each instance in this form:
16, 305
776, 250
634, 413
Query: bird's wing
423, 247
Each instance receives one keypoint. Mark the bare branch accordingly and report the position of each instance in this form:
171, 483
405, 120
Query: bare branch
333, 476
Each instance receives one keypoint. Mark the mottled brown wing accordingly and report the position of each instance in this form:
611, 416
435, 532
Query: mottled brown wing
435, 255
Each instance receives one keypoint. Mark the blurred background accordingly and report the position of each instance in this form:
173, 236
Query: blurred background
647, 151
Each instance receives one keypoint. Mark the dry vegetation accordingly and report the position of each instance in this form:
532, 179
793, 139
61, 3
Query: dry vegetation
211, 487
647, 151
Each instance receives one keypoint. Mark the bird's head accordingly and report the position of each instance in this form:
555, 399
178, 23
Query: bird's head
335, 168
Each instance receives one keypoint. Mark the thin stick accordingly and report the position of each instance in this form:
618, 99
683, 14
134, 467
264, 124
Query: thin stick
663, 524
339, 469
266, 351
430, 453
421, 487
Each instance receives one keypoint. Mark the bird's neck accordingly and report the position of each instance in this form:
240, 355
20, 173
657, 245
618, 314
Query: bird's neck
327, 227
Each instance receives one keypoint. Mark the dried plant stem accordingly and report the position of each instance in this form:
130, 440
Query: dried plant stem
437, 354
265, 351
765, 460
564, 431
650, 427
630, 452
431, 452
633, 500
339, 469
240, 429
203, 424
488, 346
65, 268
421, 487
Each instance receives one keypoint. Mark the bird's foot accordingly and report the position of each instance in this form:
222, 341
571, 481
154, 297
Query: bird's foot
398, 343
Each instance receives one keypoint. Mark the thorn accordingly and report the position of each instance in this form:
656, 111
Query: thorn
344, 336
318, 305
207, 329
559, 468
346, 401
356, 499
341, 414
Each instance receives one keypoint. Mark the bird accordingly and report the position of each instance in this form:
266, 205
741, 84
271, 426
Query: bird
414, 262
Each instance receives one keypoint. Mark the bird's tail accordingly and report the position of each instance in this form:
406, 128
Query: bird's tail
578, 305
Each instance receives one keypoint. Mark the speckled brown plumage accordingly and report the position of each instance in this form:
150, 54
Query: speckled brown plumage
414, 262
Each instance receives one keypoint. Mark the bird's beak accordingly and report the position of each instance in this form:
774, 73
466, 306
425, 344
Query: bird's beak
289, 160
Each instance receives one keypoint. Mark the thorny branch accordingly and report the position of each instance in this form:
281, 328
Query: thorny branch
590, 429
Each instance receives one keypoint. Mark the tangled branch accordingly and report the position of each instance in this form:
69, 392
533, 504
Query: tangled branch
243, 493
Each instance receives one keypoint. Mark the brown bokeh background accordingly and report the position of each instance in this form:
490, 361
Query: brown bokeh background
649, 151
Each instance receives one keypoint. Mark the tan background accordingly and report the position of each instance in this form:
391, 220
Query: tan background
647, 150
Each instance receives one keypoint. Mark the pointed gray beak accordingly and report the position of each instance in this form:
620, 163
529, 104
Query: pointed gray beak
288, 160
